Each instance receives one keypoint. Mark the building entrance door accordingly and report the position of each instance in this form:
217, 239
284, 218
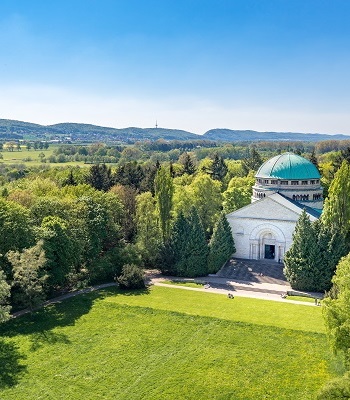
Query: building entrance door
270, 251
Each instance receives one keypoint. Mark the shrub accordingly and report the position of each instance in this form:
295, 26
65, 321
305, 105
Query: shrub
338, 388
132, 277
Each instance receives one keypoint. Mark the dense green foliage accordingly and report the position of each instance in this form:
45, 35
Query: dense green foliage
164, 190
221, 245
336, 389
29, 275
111, 344
185, 252
5, 290
337, 309
336, 212
132, 277
312, 258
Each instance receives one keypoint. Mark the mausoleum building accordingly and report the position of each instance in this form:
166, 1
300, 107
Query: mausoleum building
285, 185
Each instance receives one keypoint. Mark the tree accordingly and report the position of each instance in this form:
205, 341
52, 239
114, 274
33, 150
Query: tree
330, 248
205, 196
221, 245
299, 268
70, 180
313, 158
252, 162
185, 251
127, 196
16, 231
187, 164
336, 212
132, 277
29, 276
58, 249
193, 255
100, 177
236, 197
336, 389
164, 191
172, 249
218, 168
148, 237
336, 310
4, 298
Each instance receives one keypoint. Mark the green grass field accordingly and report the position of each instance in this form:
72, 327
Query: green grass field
165, 344
183, 283
31, 157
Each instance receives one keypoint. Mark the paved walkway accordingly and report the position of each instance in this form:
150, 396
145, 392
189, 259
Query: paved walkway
261, 279
246, 278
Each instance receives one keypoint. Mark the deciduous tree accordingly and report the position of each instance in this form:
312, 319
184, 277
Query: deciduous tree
4, 298
336, 310
29, 275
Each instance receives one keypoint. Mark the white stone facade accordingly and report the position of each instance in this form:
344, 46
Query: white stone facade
264, 228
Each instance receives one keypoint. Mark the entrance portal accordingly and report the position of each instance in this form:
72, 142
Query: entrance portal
270, 251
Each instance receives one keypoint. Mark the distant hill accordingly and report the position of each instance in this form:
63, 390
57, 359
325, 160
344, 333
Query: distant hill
11, 129
228, 135
89, 133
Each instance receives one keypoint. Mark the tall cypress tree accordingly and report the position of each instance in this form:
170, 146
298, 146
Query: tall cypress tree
173, 247
164, 191
194, 256
221, 245
185, 252
299, 268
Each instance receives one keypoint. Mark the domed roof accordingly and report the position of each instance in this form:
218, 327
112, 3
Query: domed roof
288, 166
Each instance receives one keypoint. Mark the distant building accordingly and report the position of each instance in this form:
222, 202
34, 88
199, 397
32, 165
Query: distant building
284, 186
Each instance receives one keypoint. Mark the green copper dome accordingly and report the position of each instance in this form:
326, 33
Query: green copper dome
288, 166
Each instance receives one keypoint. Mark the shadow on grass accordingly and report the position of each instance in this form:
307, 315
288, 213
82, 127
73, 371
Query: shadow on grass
40, 339
11, 369
64, 313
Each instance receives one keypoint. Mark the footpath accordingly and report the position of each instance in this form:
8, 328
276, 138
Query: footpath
211, 284
214, 284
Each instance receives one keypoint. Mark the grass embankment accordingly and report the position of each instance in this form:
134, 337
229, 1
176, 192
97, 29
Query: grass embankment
165, 344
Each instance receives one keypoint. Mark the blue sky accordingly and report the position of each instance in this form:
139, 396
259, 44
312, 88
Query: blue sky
279, 65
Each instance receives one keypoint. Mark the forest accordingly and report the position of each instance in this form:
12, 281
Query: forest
162, 205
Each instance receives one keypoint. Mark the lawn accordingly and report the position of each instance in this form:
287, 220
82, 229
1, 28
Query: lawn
183, 283
165, 344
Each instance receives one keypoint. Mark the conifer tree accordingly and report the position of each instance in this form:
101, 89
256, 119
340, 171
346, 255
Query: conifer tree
327, 253
299, 268
185, 252
193, 261
173, 247
188, 165
221, 245
218, 168
164, 191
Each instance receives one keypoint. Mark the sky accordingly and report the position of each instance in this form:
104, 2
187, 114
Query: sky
266, 65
